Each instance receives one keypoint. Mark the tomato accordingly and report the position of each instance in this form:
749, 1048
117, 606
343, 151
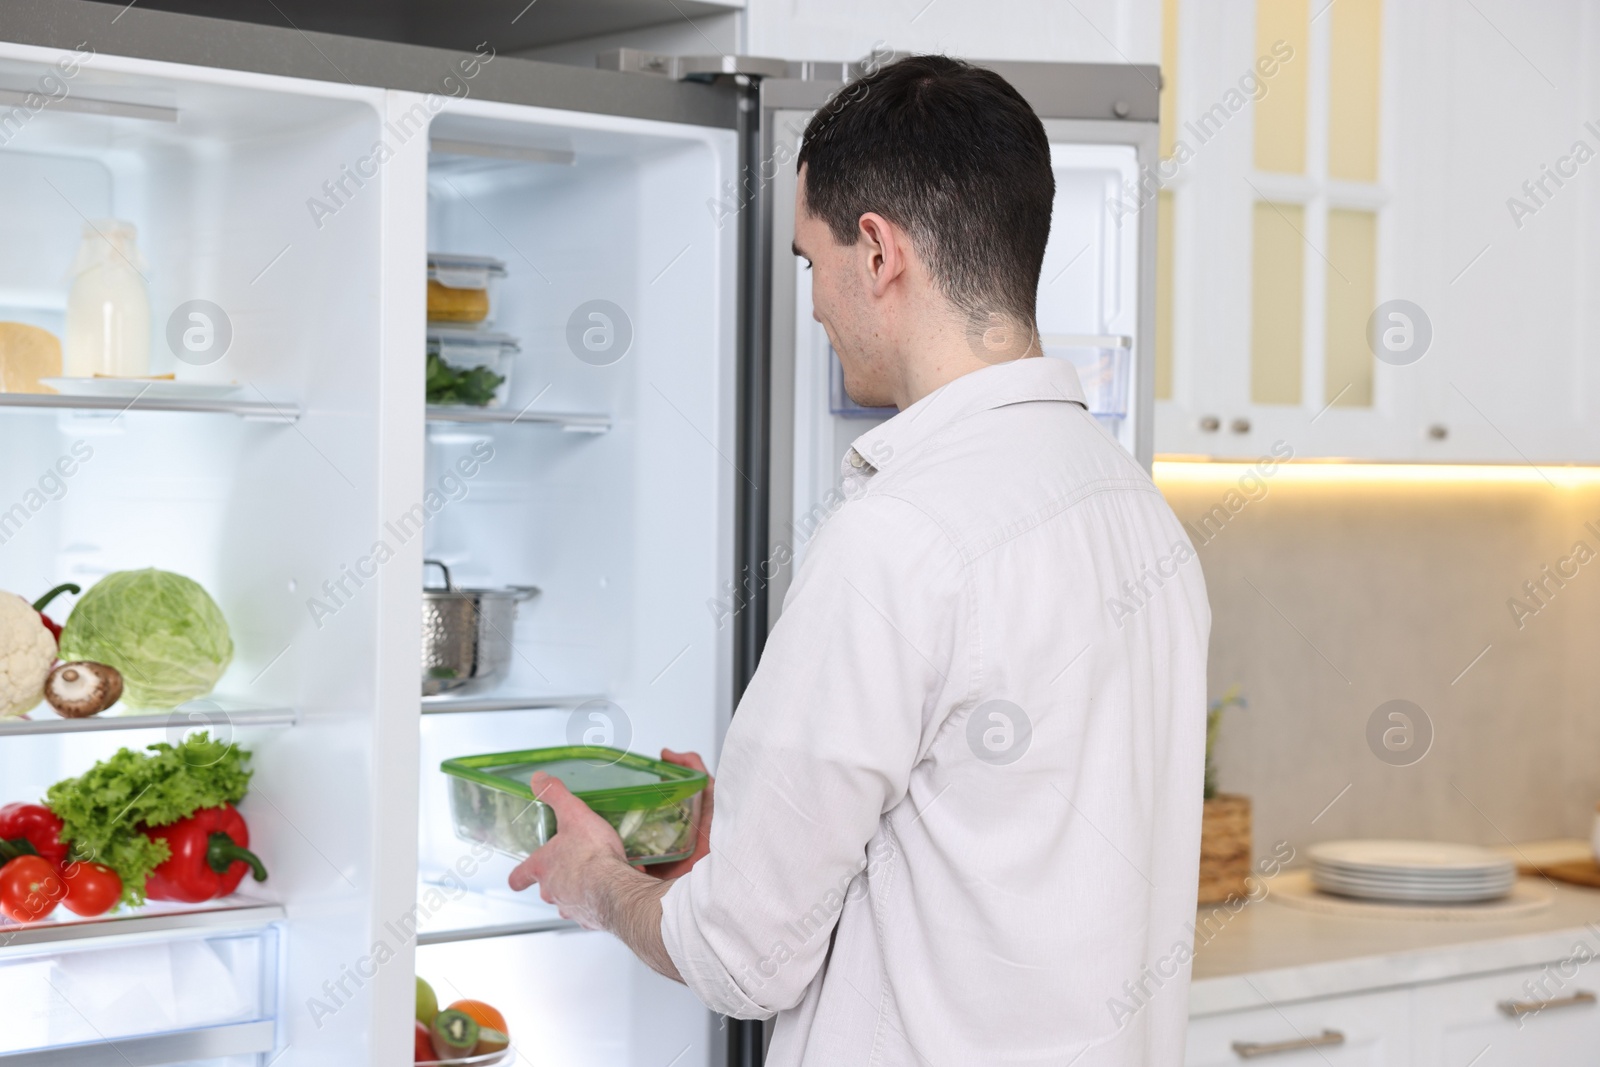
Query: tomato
92, 888
481, 1013
422, 1038
30, 889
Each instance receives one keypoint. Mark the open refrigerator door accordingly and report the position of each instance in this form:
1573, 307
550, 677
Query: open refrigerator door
603, 478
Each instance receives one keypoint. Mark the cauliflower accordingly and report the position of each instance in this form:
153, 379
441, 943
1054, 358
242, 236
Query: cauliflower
27, 652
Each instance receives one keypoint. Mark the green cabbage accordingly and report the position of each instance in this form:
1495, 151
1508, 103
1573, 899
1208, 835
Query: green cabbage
161, 630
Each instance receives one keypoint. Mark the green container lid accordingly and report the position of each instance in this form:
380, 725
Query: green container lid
606, 779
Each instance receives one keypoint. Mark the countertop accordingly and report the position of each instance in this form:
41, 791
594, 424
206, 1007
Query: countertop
1273, 952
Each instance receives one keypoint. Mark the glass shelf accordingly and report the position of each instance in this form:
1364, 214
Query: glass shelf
250, 410
470, 916
196, 715
444, 705
572, 422
234, 912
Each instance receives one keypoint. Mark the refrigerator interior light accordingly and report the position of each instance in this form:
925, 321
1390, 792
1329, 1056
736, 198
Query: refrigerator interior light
1191, 470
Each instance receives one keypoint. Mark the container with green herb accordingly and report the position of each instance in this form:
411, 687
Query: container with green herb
468, 368
653, 805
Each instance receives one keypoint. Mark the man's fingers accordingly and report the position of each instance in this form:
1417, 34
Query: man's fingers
523, 876
690, 760
554, 792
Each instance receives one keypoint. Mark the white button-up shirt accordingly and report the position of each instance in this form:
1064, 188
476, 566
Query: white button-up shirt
958, 810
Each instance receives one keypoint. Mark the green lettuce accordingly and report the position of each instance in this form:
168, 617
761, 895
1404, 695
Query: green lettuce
161, 630
103, 809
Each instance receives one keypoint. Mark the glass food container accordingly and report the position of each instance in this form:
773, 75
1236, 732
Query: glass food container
654, 806
460, 288
469, 368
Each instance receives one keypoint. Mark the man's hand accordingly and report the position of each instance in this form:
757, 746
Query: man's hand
702, 838
583, 871
569, 865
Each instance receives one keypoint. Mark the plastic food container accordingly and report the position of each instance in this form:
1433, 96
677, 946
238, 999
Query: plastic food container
460, 288
469, 368
653, 805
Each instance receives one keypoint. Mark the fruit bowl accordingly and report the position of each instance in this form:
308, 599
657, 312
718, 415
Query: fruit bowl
488, 1059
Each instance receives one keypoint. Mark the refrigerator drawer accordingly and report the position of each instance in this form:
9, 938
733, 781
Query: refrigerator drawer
140, 1000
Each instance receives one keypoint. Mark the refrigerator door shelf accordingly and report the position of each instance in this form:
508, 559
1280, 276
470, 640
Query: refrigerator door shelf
1103, 365
69, 998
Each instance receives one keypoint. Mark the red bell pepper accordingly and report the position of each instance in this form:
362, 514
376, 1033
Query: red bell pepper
31, 828
209, 857
44, 602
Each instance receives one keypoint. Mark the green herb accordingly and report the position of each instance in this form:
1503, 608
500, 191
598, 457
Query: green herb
518, 826
1214, 710
103, 809
474, 386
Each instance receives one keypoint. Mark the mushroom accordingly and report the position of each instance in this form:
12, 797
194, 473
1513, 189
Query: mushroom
82, 688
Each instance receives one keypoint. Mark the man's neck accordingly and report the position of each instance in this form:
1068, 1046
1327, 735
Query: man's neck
956, 347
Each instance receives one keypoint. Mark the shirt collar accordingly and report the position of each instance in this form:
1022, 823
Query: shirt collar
1016, 382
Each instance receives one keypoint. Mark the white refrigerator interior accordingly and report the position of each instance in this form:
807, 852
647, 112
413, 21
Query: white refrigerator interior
609, 486
622, 517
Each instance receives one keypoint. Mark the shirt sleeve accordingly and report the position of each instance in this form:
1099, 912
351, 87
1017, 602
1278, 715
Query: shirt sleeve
855, 672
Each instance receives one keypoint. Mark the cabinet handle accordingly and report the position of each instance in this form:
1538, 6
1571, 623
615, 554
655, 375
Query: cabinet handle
1518, 1008
1249, 1050
1210, 423
1240, 426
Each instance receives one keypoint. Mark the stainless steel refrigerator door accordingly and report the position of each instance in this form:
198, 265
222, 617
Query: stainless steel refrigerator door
1097, 291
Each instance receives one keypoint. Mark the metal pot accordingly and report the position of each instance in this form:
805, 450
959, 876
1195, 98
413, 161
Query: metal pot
466, 634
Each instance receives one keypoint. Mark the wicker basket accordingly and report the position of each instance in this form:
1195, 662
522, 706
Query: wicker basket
1224, 848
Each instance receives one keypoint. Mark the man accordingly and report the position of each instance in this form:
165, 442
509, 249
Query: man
958, 809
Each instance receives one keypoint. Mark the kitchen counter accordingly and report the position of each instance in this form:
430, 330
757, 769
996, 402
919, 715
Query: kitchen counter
1270, 952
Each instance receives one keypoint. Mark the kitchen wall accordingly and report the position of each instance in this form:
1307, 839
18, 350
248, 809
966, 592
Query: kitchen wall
1335, 591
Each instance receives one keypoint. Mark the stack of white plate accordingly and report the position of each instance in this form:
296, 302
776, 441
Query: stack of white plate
1422, 872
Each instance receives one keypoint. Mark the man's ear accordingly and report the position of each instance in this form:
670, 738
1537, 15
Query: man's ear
884, 249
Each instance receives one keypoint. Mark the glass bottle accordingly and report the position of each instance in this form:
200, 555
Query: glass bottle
108, 308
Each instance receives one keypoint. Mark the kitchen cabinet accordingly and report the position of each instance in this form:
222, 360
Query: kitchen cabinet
1546, 1016
1486, 99
1543, 1015
1368, 1030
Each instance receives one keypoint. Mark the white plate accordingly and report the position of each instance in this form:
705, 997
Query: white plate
1409, 857
1412, 895
1416, 879
129, 388
1324, 878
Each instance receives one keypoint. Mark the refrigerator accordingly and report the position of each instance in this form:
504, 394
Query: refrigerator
666, 421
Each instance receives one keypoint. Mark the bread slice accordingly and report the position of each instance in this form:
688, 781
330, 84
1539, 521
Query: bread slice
27, 354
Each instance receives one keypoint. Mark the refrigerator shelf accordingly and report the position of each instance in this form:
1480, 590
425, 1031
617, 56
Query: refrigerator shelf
152, 1050
470, 916
156, 918
570, 421
249, 410
445, 705
180, 720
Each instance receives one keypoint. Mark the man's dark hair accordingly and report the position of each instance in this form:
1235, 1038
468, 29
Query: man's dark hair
952, 154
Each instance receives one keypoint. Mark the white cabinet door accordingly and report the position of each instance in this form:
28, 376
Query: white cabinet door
1557, 1022
1493, 193
1368, 1030
1486, 177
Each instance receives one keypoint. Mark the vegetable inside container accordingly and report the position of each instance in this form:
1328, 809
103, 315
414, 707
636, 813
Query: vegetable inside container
469, 368
461, 288
653, 805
